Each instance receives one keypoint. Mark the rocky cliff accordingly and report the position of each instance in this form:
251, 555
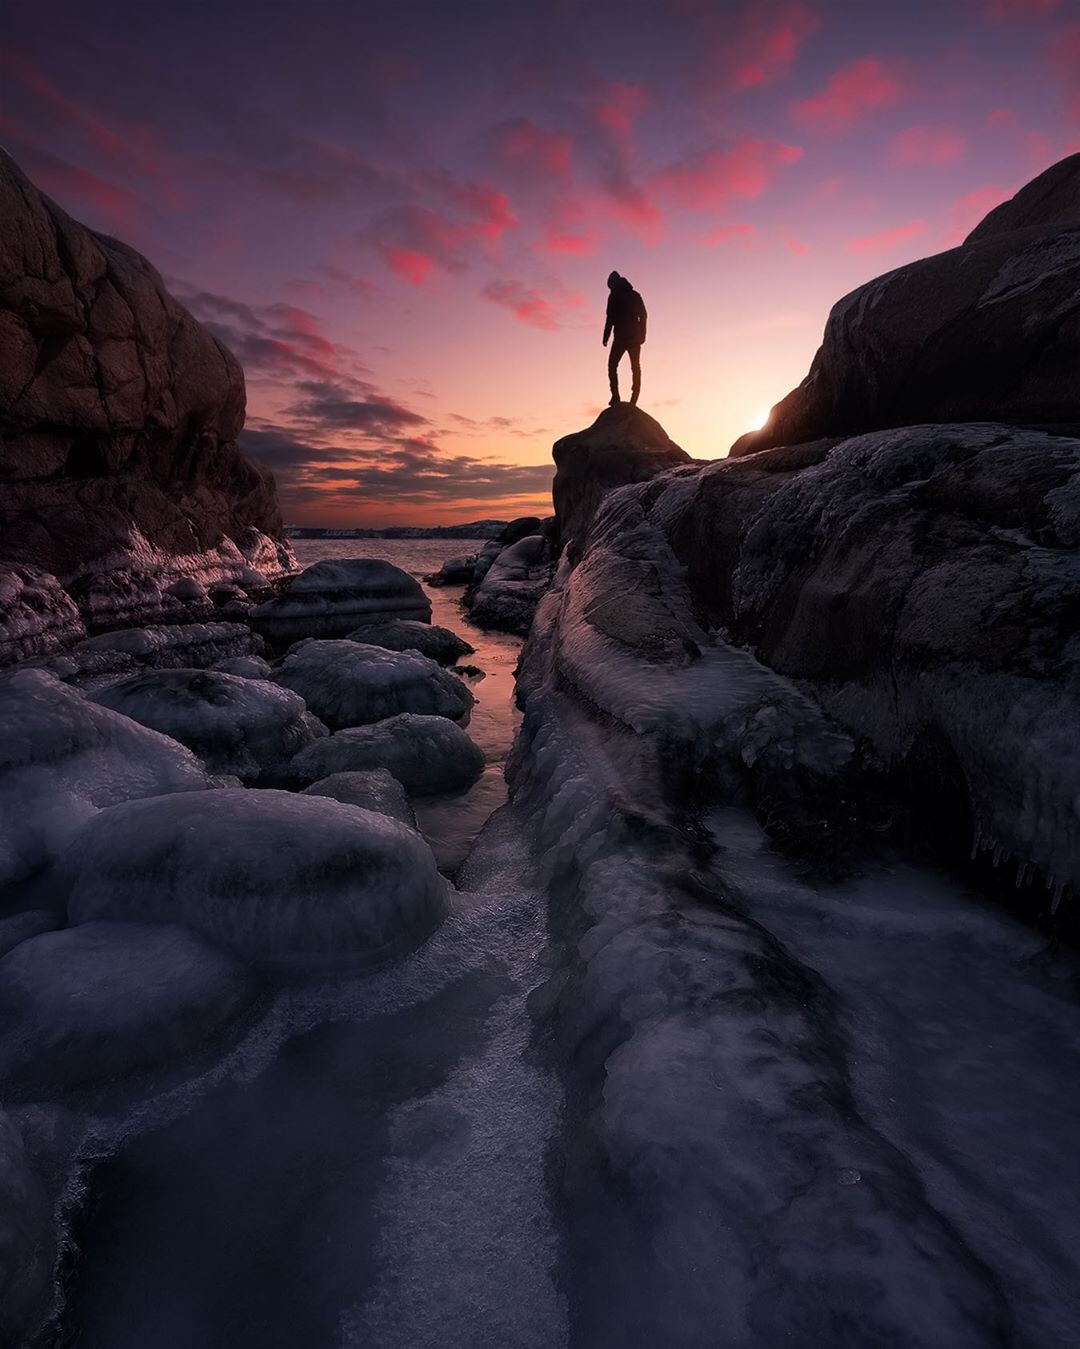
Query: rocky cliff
119, 471
989, 331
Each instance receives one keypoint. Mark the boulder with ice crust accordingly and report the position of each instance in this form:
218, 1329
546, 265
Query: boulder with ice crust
62, 759
407, 634
28, 1240
986, 332
374, 789
119, 415
90, 1003
427, 755
513, 585
332, 597
237, 726
349, 683
278, 879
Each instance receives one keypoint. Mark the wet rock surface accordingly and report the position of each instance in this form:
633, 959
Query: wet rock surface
333, 597
426, 754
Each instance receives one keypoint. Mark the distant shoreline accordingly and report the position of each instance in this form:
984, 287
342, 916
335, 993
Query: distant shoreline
477, 529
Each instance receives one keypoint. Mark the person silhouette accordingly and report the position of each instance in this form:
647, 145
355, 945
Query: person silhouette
626, 317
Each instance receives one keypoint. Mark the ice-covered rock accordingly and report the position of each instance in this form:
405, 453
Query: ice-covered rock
623, 445
375, 789
120, 415
278, 879
335, 596
987, 332
247, 667
28, 1242
21, 926
349, 683
182, 646
37, 615
513, 585
242, 727
94, 1002
62, 759
427, 755
407, 634
454, 571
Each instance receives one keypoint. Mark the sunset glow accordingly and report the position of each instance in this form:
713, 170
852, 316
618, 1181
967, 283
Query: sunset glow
400, 218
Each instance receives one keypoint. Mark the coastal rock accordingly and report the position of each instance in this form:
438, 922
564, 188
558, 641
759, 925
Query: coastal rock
21, 926
28, 1240
406, 634
278, 879
37, 615
375, 789
987, 332
335, 596
512, 585
350, 683
118, 422
624, 445
427, 755
247, 667
90, 1003
62, 759
454, 571
237, 726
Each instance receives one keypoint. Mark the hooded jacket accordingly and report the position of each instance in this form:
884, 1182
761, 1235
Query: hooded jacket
625, 314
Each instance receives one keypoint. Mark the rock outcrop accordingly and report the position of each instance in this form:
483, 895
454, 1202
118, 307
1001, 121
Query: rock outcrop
623, 445
989, 331
118, 422
333, 597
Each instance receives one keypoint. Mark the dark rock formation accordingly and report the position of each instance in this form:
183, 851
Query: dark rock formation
333, 597
118, 422
513, 585
407, 634
989, 331
623, 445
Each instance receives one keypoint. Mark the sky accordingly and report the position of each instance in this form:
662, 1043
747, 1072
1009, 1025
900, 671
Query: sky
400, 217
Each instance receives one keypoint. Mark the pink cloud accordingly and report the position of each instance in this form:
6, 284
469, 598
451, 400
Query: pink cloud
737, 232
966, 211
409, 263
582, 245
1003, 117
548, 150
744, 171
858, 89
489, 209
529, 306
620, 108
926, 145
1021, 9
884, 240
768, 46
796, 246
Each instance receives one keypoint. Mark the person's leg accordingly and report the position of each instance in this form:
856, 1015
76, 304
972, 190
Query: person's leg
617, 350
635, 368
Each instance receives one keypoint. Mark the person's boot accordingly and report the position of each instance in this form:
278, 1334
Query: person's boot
634, 394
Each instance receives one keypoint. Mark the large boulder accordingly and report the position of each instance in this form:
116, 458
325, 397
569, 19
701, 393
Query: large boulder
278, 879
28, 1240
349, 683
335, 596
374, 789
623, 445
427, 755
989, 331
406, 634
90, 1003
237, 726
118, 422
62, 759
513, 585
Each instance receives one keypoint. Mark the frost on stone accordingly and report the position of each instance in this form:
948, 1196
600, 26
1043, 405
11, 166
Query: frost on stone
374, 789
427, 755
277, 879
407, 634
237, 726
27, 1240
184, 645
37, 615
335, 596
247, 667
90, 1003
349, 683
62, 759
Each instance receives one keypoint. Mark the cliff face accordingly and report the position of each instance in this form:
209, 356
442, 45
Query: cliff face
118, 422
989, 331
